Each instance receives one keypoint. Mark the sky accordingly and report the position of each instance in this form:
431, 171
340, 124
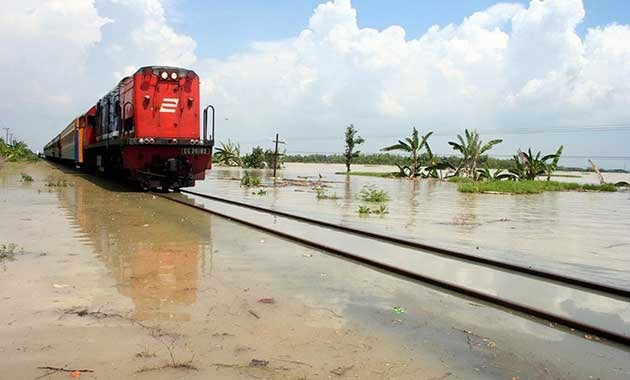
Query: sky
534, 73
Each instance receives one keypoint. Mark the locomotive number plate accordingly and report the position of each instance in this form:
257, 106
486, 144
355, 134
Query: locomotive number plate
191, 150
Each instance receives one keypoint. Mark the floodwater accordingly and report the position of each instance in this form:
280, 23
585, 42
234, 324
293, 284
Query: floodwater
580, 234
129, 285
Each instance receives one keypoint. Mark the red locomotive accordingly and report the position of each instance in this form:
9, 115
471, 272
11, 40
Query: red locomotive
146, 130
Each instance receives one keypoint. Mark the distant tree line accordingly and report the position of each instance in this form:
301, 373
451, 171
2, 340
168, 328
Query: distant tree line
388, 159
393, 159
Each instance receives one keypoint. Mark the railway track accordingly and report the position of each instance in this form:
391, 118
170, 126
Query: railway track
367, 247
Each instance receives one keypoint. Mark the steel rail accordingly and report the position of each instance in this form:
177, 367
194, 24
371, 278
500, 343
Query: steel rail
593, 286
489, 298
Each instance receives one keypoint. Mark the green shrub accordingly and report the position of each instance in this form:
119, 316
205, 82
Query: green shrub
250, 181
372, 194
255, 159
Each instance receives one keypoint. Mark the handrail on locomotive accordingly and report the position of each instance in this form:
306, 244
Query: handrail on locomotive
205, 124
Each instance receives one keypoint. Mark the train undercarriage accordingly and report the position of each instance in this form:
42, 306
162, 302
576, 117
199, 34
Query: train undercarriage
151, 167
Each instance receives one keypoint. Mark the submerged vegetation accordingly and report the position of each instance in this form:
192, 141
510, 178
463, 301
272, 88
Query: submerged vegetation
249, 181
323, 194
366, 210
528, 187
373, 194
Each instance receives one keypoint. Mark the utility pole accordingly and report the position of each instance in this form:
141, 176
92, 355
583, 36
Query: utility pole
6, 138
10, 139
275, 154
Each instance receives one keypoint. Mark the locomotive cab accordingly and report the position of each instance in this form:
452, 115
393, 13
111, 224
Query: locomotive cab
146, 129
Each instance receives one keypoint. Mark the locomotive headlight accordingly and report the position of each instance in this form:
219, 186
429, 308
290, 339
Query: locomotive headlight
164, 75
141, 141
173, 75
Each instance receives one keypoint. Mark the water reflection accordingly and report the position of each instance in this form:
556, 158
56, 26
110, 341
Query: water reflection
153, 252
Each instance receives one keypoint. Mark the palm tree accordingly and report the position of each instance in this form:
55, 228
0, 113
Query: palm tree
472, 148
412, 145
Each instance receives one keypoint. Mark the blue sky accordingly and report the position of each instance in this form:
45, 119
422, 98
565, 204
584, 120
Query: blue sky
222, 28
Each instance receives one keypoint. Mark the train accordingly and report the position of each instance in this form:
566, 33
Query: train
146, 130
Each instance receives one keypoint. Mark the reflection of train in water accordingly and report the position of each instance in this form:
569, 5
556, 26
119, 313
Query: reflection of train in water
156, 264
146, 130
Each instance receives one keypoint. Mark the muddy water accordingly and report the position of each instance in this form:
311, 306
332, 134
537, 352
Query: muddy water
582, 234
124, 284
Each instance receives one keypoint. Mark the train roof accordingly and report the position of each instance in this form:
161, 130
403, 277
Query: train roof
158, 68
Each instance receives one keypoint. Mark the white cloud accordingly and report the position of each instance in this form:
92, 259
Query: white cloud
62, 56
508, 65
151, 39
38, 49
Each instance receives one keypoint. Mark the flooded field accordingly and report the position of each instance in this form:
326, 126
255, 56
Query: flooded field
131, 286
582, 234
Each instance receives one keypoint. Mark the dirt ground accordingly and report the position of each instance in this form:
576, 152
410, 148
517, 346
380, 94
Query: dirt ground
125, 302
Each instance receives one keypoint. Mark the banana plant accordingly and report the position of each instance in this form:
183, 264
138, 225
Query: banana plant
529, 166
498, 175
553, 165
413, 146
471, 148
228, 154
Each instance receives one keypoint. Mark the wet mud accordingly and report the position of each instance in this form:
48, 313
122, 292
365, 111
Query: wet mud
125, 285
